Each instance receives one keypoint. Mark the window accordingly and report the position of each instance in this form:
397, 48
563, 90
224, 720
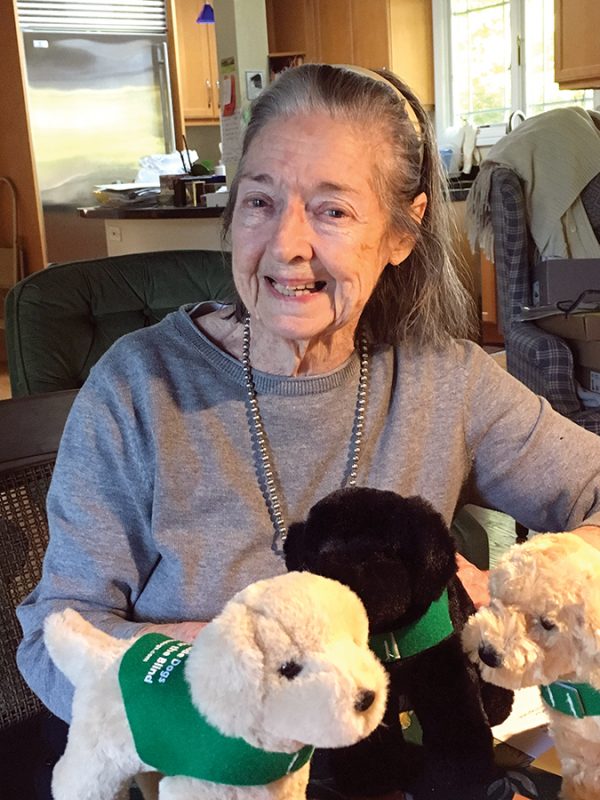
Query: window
493, 57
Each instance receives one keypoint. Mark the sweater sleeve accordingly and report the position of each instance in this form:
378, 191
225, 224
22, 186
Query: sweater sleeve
527, 459
100, 552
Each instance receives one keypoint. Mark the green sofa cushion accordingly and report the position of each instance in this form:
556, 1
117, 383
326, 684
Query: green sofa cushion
59, 321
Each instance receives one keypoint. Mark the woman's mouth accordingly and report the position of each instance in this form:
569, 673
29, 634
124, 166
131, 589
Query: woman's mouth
298, 289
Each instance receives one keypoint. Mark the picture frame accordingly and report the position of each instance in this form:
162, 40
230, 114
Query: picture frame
255, 83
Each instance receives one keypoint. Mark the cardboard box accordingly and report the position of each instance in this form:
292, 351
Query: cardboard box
217, 199
564, 279
587, 354
584, 327
588, 378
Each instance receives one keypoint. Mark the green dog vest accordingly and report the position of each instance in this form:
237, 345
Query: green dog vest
432, 628
172, 736
575, 699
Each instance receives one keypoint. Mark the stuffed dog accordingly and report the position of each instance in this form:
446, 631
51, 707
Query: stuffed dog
286, 666
542, 627
398, 556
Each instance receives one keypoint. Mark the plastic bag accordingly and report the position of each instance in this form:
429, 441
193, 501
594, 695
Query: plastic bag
151, 167
458, 148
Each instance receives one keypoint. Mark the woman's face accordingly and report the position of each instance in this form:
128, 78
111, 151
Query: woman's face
309, 233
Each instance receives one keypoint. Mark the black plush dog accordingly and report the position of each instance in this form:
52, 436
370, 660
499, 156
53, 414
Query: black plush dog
397, 554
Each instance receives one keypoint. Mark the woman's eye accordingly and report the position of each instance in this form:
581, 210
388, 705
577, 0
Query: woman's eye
256, 202
290, 669
547, 624
335, 213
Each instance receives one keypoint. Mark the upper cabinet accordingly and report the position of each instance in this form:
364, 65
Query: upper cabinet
352, 32
197, 70
336, 31
389, 34
371, 31
411, 36
291, 28
577, 49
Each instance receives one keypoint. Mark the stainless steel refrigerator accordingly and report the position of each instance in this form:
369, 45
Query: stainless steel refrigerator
99, 99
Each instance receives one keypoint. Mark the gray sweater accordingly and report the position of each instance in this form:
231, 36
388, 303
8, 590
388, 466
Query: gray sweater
154, 509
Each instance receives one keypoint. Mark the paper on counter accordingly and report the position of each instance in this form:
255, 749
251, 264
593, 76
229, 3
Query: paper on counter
126, 187
526, 727
232, 136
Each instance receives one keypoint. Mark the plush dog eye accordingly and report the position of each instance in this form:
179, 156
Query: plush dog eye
547, 624
290, 669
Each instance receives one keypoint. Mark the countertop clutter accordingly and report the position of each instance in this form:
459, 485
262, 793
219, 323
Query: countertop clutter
175, 197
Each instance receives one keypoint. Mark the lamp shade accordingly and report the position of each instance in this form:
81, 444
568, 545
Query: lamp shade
207, 14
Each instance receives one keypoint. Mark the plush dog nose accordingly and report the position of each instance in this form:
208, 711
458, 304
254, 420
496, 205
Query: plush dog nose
489, 656
365, 700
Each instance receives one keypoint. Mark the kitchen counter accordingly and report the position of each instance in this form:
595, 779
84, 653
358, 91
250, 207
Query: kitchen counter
149, 212
144, 228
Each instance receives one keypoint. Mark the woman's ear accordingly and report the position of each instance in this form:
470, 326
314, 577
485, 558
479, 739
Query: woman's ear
418, 207
402, 245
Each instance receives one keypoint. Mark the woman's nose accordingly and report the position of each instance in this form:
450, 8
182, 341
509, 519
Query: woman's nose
292, 239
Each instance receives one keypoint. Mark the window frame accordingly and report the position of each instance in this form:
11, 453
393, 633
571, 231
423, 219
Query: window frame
442, 63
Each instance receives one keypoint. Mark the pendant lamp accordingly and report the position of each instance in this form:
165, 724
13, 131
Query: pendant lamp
207, 14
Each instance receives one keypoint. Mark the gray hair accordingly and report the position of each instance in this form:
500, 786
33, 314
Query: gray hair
423, 301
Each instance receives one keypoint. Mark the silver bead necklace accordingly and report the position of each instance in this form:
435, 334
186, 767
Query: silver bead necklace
265, 473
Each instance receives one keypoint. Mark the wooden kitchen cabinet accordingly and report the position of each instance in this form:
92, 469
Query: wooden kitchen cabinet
411, 36
489, 307
291, 27
16, 152
351, 33
576, 44
335, 31
389, 34
371, 34
197, 68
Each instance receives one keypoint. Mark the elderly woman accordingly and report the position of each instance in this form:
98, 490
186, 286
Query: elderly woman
196, 442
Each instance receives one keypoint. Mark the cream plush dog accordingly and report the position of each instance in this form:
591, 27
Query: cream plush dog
542, 627
284, 667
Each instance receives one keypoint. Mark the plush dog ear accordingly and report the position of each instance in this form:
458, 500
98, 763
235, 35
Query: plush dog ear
225, 671
360, 535
591, 635
293, 547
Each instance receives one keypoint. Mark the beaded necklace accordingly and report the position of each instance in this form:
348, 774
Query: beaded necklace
263, 467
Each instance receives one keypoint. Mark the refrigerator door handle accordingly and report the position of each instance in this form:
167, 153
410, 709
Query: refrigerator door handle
166, 98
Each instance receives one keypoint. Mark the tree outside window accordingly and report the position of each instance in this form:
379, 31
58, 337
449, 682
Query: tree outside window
494, 57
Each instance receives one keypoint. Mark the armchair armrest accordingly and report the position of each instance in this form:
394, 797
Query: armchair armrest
544, 363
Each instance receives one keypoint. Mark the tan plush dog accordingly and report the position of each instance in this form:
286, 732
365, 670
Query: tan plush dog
284, 667
542, 627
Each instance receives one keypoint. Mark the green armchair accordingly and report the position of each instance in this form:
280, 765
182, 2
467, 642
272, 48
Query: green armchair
61, 320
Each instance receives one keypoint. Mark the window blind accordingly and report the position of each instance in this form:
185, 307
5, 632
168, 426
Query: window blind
93, 16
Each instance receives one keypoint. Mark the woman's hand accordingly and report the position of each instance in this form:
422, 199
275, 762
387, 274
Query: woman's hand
474, 580
184, 631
